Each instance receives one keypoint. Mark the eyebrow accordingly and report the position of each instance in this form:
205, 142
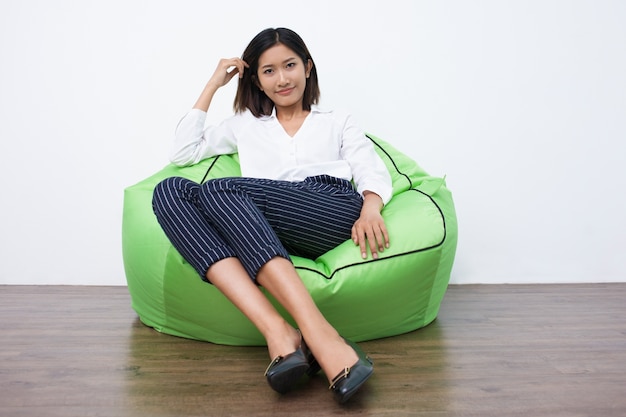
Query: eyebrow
284, 62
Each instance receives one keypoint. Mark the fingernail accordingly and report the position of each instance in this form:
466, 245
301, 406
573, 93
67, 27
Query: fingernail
363, 255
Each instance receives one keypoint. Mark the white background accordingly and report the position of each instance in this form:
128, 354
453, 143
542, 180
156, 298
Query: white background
521, 104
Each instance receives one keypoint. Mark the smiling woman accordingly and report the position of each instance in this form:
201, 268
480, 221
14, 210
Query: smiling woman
283, 78
278, 62
310, 180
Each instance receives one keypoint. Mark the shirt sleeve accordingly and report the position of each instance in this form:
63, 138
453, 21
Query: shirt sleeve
194, 142
368, 169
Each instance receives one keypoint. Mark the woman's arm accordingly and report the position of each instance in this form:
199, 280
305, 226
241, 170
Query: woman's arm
225, 71
373, 182
192, 142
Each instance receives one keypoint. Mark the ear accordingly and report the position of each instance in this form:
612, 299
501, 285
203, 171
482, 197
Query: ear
309, 67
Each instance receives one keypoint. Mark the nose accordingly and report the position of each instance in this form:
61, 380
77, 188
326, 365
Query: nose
282, 78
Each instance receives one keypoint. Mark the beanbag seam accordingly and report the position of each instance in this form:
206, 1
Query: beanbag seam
391, 159
206, 174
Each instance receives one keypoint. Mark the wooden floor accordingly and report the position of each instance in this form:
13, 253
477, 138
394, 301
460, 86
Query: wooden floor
500, 350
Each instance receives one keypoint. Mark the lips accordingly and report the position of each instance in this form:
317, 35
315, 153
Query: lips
285, 91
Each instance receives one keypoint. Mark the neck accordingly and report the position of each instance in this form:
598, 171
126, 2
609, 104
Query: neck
290, 113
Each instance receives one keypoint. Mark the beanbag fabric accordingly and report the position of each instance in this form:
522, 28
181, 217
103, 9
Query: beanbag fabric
362, 299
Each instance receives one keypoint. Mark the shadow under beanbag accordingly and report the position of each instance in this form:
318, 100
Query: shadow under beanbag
363, 299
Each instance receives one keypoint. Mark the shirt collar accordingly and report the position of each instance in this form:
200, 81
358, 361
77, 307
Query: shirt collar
314, 109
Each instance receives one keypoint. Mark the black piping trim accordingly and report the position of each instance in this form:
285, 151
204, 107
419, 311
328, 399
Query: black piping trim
391, 159
209, 169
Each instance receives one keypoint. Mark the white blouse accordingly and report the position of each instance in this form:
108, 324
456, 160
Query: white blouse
327, 143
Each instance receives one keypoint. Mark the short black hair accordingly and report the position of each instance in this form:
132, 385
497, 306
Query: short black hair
249, 95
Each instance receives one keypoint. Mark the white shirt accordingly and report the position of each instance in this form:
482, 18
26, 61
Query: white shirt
327, 143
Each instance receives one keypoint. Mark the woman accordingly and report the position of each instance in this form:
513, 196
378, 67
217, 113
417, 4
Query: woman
295, 197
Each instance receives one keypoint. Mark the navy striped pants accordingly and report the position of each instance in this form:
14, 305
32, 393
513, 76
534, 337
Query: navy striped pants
255, 219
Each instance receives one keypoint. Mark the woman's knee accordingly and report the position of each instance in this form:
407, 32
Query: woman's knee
219, 189
221, 184
163, 189
171, 189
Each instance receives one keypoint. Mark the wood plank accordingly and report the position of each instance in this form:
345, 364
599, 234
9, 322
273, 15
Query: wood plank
495, 350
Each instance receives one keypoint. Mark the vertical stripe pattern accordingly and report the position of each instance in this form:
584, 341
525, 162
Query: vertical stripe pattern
255, 219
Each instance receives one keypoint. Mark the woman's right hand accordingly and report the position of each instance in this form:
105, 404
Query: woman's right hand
225, 71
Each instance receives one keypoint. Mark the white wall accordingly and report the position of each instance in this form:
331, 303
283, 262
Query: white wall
521, 104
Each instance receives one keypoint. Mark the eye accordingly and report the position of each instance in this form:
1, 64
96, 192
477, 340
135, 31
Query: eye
291, 65
268, 71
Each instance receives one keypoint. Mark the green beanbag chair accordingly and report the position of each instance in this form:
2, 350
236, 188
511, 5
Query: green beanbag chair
362, 299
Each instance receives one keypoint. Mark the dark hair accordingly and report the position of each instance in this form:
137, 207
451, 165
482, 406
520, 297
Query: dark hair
249, 95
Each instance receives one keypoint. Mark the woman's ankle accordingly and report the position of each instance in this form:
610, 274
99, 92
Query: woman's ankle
335, 356
283, 341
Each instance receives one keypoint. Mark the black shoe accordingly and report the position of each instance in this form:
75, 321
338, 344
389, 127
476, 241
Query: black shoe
348, 381
284, 371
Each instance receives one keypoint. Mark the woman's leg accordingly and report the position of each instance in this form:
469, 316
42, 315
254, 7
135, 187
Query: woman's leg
230, 277
280, 278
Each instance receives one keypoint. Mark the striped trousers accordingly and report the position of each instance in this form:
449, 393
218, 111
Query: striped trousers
255, 219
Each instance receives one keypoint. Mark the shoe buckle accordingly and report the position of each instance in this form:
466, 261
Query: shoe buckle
339, 377
272, 363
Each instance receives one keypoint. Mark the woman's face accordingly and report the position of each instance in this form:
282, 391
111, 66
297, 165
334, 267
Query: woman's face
282, 76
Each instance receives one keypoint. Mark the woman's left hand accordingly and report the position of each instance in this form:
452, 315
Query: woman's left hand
370, 227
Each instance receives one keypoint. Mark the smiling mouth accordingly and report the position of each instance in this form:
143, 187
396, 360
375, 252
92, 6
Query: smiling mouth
285, 91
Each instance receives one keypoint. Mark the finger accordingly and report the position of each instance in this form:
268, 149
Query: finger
386, 235
230, 73
241, 66
363, 247
361, 241
371, 239
233, 66
355, 237
382, 237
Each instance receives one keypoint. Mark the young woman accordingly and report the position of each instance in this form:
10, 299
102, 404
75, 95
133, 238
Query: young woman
295, 196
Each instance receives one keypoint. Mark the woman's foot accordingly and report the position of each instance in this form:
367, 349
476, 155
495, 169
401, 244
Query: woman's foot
347, 382
334, 355
286, 368
345, 366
